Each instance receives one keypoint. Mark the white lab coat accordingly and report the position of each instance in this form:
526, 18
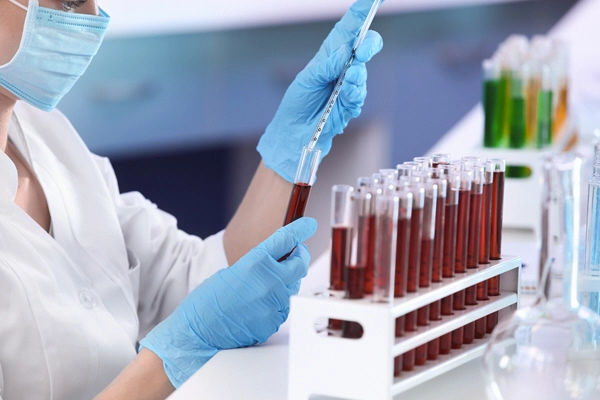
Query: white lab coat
73, 306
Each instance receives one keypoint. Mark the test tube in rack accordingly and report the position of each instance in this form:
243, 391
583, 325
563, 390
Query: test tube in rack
499, 166
367, 212
386, 231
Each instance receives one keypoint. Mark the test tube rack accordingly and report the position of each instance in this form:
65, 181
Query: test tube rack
363, 368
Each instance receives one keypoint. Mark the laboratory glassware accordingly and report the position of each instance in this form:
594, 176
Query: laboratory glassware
386, 231
544, 111
590, 276
499, 166
438, 159
492, 136
518, 123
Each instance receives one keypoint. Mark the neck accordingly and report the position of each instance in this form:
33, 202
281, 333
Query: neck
6, 108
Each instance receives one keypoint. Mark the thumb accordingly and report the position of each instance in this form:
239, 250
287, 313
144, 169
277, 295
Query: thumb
285, 239
295, 267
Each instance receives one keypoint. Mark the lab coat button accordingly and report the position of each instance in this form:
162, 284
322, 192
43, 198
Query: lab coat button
86, 298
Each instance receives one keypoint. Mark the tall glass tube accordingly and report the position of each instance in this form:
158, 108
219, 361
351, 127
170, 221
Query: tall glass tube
423, 162
305, 177
372, 187
499, 166
386, 231
544, 113
486, 215
531, 103
561, 55
590, 276
520, 79
438, 159
491, 108
341, 237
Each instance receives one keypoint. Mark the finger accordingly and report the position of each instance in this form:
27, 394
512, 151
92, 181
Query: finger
356, 74
296, 266
353, 96
329, 69
354, 19
372, 45
285, 239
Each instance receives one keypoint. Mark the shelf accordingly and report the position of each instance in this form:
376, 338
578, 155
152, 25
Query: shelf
444, 363
424, 334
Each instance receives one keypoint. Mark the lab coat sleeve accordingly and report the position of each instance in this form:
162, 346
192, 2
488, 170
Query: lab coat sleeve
172, 263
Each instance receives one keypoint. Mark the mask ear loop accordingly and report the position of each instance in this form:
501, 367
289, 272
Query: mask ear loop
16, 3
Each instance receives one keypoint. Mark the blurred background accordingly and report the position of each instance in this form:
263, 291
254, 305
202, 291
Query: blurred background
179, 93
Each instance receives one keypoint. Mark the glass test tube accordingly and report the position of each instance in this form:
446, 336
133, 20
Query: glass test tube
544, 112
370, 186
518, 125
341, 236
427, 240
462, 234
531, 102
561, 55
449, 245
355, 269
499, 166
492, 136
386, 231
484, 242
414, 254
590, 276
438, 159
436, 265
305, 177
473, 242
424, 163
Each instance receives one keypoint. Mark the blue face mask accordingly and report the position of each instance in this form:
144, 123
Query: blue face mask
55, 50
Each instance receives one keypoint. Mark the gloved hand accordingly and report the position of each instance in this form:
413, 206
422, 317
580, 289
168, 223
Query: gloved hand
236, 307
304, 102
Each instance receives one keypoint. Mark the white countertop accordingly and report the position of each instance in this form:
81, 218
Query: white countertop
260, 372
142, 17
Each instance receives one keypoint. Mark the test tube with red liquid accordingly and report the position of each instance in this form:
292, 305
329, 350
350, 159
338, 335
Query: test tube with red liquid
499, 166
402, 243
341, 236
367, 185
484, 241
414, 259
436, 265
438, 159
449, 245
305, 177
462, 235
386, 231
359, 252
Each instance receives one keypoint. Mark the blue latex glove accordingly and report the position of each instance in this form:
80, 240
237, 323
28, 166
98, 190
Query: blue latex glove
304, 102
236, 307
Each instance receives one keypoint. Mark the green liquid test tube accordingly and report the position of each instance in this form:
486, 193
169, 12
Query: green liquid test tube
492, 135
517, 120
544, 112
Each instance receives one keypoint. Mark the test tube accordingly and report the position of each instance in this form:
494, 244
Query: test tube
386, 231
355, 268
388, 175
414, 254
518, 120
370, 186
402, 243
590, 295
427, 241
469, 161
499, 166
544, 112
462, 235
561, 56
341, 236
492, 136
438, 159
423, 162
305, 177
449, 245
531, 102
486, 214
436, 265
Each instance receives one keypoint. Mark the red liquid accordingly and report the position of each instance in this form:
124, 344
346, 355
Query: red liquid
433, 349
400, 326
458, 301
296, 207
491, 321
339, 257
414, 250
438, 241
445, 340
370, 256
355, 276
425, 270
462, 232
449, 240
423, 316
474, 230
494, 286
469, 329
401, 258
410, 321
408, 360
397, 365
421, 354
486, 224
497, 208
469, 333
457, 338
480, 324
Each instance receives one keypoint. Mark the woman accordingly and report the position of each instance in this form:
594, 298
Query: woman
85, 271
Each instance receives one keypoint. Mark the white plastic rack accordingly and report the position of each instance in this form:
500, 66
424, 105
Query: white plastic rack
363, 368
